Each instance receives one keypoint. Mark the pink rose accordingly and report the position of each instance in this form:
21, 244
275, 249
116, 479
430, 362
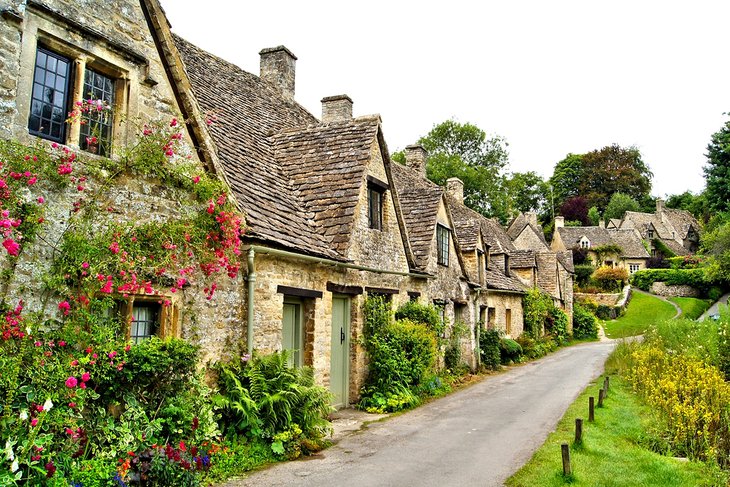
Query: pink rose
71, 382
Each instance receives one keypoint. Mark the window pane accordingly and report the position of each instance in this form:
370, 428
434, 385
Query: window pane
49, 95
98, 124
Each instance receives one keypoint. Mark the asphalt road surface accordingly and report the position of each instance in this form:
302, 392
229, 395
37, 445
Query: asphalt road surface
476, 437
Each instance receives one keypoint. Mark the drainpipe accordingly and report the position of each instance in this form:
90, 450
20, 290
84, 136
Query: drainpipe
476, 327
251, 290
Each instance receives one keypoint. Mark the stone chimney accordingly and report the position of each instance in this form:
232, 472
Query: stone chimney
559, 222
455, 189
336, 108
601, 223
416, 159
659, 205
531, 218
278, 66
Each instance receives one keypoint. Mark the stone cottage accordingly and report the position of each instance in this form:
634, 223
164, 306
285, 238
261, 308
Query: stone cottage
677, 230
54, 53
486, 251
632, 255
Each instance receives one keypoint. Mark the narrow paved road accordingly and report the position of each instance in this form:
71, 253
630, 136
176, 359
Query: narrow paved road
477, 436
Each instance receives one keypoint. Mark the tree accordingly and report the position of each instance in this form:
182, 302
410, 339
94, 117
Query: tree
464, 151
717, 170
695, 204
566, 179
599, 174
527, 192
620, 203
614, 169
575, 209
594, 216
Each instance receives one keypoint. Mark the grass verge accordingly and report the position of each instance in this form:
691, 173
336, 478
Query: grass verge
643, 310
611, 453
692, 308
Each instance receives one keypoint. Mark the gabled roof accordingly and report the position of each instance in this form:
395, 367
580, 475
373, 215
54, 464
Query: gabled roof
565, 258
495, 236
681, 220
467, 223
644, 221
547, 273
523, 223
419, 199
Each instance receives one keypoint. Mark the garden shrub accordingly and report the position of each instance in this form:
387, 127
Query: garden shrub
610, 279
584, 322
557, 325
696, 278
583, 274
536, 307
266, 397
605, 312
533, 348
509, 351
452, 353
489, 349
426, 314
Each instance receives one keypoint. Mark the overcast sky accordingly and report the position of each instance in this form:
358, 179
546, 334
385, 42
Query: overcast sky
552, 77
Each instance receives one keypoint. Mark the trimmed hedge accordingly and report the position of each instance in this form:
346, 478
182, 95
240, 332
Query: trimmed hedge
696, 278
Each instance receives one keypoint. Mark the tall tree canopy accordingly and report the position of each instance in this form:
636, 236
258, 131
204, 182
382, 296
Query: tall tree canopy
619, 204
599, 174
464, 151
717, 170
527, 191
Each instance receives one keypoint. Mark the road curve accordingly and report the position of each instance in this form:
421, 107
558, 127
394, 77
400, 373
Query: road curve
478, 436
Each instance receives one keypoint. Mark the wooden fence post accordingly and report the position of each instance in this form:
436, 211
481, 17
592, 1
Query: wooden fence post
566, 459
591, 408
600, 398
578, 431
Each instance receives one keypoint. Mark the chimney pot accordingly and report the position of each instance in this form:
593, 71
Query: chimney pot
416, 159
559, 221
278, 67
455, 189
659, 205
336, 108
601, 224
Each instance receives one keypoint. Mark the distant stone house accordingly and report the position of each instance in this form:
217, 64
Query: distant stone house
486, 250
54, 53
632, 256
526, 232
677, 230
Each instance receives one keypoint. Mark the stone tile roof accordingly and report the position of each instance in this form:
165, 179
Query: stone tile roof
495, 236
521, 222
571, 236
671, 226
498, 280
643, 221
681, 220
325, 165
630, 242
521, 259
419, 201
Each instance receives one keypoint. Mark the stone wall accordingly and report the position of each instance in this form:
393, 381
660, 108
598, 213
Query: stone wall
663, 289
606, 299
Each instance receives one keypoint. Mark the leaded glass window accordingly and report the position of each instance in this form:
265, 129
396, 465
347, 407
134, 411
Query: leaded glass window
97, 124
49, 98
442, 242
144, 323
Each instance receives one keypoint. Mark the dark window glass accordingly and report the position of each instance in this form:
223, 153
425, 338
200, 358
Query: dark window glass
442, 242
375, 207
144, 323
49, 97
96, 126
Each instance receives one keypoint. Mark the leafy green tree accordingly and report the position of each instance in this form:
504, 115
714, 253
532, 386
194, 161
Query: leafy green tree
717, 170
567, 178
696, 204
527, 192
594, 216
619, 204
716, 246
464, 151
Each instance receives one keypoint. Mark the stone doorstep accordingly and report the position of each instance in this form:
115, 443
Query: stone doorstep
348, 421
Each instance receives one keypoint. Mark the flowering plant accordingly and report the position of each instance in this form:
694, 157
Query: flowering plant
95, 117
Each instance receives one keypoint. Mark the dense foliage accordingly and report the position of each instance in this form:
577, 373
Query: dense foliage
610, 279
489, 349
585, 324
717, 170
619, 204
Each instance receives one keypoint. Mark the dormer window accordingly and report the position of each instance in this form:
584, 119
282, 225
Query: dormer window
650, 233
442, 244
376, 192
585, 243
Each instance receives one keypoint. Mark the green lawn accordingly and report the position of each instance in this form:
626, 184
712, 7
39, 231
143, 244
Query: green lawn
642, 311
692, 308
611, 454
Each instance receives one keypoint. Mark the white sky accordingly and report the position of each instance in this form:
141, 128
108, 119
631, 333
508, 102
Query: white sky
552, 77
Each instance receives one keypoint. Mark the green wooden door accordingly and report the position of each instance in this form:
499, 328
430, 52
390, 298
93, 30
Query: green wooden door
292, 332
340, 356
